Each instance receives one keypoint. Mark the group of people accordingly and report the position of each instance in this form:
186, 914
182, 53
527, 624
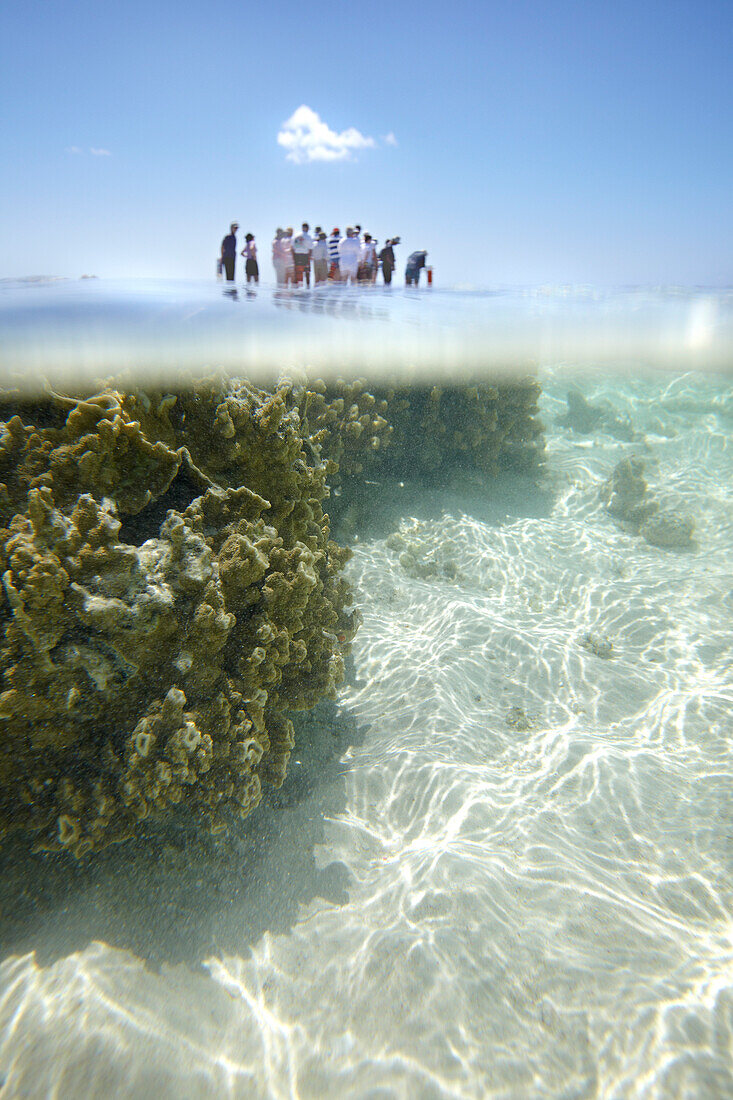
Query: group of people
352, 258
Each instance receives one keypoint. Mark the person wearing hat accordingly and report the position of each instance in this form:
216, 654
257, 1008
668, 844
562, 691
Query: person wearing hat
229, 251
333, 255
320, 258
368, 260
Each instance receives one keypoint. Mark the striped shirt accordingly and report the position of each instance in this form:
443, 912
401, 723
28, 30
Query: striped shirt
333, 248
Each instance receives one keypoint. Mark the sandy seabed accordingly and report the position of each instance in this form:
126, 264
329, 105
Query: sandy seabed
501, 867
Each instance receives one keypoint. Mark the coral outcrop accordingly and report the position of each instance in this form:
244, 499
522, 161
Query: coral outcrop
587, 419
171, 591
627, 498
423, 430
626, 493
171, 596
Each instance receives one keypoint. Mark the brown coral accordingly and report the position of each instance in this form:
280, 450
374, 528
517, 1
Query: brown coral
152, 660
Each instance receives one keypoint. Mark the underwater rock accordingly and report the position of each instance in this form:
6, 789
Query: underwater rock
627, 498
518, 719
669, 530
584, 418
626, 494
424, 556
597, 644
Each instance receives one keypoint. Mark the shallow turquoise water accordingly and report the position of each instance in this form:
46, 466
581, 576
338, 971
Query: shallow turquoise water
166, 329
513, 874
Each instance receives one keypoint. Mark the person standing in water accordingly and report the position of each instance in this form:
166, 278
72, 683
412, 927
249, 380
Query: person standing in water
288, 246
368, 266
333, 255
251, 267
320, 259
349, 256
302, 248
415, 264
282, 256
386, 257
229, 251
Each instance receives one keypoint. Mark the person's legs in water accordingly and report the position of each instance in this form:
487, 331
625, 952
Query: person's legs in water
229, 268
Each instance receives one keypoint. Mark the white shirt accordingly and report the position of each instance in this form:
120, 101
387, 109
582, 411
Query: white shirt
303, 243
349, 251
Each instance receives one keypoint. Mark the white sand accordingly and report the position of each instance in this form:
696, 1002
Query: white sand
538, 839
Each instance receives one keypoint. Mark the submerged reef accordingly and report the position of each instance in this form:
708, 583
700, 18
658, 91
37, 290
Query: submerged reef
171, 592
628, 499
587, 419
424, 430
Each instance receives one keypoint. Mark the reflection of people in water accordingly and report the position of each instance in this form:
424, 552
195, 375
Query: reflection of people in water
323, 301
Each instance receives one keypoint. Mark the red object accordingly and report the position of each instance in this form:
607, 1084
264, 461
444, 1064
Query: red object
430, 275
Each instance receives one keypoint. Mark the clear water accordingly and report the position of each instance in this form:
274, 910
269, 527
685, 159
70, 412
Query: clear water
166, 330
502, 864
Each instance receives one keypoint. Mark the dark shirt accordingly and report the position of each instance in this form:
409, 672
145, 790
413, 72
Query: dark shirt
229, 246
387, 255
416, 260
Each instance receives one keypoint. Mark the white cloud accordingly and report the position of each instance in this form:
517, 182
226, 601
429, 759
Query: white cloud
307, 137
390, 139
77, 150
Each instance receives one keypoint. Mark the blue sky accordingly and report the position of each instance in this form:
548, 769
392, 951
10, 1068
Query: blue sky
522, 141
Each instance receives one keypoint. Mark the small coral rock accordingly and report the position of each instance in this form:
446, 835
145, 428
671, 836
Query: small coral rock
669, 530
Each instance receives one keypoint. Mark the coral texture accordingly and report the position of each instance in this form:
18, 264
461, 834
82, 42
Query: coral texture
627, 498
171, 594
422, 430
